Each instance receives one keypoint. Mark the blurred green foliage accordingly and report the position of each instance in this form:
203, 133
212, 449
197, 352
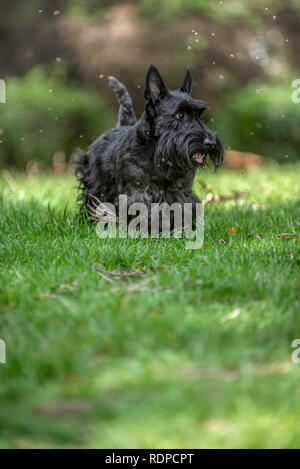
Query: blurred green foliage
218, 10
45, 115
262, 119
231, 41
172, 9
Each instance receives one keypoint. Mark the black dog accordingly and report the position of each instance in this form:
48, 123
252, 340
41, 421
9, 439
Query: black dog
153, 159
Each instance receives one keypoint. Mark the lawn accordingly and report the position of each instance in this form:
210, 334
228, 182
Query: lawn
195, 351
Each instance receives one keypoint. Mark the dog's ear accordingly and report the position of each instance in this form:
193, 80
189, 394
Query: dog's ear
155, 87
186, 86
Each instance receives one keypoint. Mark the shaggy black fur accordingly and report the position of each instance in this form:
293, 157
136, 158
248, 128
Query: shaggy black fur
153, 159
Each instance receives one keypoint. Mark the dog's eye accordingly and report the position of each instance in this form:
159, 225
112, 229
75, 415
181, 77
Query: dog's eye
180, 116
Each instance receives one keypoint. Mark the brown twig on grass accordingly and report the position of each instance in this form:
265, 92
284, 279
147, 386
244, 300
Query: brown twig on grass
288, 235
119, 274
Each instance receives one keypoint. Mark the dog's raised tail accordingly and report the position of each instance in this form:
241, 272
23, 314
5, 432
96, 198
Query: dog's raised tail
126, 112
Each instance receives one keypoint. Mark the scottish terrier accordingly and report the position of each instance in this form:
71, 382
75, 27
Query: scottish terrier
153, 159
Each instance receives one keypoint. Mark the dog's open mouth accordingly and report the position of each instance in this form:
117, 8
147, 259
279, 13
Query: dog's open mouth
199, 157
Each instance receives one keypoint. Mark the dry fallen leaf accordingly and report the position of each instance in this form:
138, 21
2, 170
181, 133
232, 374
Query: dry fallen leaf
232, 230
278, 367
211, 196
63, 288
233, 315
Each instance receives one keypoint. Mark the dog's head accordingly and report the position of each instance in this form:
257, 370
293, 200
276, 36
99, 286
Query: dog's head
176, 121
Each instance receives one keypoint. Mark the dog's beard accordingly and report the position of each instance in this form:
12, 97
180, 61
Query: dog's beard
172, 155
216, 155
181, 153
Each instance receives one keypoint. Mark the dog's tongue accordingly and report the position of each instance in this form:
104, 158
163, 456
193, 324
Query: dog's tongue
199, 157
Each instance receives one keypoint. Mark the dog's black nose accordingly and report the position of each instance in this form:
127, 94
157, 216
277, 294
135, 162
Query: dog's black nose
210, 141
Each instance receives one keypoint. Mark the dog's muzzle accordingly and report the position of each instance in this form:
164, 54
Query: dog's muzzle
199, 157
211, 148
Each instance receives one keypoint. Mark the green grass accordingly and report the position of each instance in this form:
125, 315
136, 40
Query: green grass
155, 361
